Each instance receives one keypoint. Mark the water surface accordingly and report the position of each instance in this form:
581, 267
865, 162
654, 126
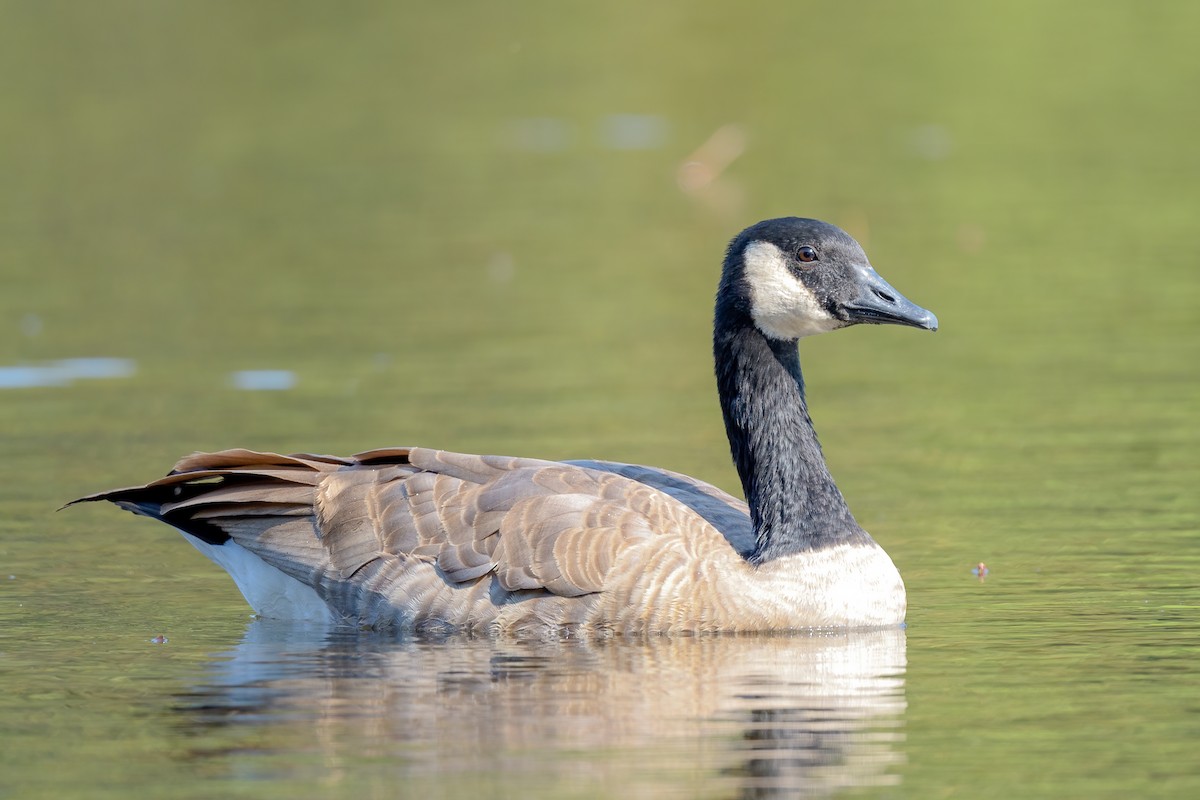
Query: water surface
497, 228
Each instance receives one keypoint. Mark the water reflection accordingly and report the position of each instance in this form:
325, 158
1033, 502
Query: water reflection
615, 131
718, 717
64, 372
633, 132
263, 380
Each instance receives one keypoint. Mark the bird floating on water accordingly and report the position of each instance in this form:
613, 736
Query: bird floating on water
430, 540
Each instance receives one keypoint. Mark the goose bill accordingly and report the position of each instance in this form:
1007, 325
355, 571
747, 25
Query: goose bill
878, 303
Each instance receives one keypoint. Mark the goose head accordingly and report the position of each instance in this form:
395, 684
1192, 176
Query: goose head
794, 277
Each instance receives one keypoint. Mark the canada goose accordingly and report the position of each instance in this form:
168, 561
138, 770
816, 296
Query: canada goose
433, 540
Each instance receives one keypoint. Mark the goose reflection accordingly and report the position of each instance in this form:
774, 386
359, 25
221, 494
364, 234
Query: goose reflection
758, 716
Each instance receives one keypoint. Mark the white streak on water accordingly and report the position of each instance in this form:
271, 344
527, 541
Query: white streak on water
64, 372
263, 380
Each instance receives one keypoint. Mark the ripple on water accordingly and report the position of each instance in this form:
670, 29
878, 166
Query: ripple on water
263, 380
64, 372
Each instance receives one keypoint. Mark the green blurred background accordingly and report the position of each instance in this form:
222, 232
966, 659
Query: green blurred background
497, 227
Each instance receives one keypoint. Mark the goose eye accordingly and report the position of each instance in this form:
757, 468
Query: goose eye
806, 254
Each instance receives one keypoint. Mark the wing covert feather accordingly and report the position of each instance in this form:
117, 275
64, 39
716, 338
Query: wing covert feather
541, 526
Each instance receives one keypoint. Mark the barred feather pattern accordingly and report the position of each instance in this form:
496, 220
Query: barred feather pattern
434, 540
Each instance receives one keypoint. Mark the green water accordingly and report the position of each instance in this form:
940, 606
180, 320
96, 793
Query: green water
472, 228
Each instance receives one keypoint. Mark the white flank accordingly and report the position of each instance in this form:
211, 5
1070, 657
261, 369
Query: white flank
782, 307
269, 591
847, 585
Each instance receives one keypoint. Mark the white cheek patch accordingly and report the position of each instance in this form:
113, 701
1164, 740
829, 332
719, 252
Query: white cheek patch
782, 307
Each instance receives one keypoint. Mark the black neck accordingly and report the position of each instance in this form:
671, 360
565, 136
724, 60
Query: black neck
794, 503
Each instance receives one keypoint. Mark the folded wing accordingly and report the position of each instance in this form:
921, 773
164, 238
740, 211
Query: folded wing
341, 525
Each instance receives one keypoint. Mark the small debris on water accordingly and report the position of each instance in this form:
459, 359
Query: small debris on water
160, 639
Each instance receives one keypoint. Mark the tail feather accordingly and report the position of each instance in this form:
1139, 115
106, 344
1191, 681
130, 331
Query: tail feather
254, 514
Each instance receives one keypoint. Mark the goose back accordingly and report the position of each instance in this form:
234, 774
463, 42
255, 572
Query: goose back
429, 539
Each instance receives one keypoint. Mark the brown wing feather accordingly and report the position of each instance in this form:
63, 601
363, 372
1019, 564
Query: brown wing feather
728, 514
540, 526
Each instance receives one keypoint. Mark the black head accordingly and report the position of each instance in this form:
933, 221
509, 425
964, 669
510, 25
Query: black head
797, 277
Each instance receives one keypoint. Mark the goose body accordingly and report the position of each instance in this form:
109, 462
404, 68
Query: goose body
435, 540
